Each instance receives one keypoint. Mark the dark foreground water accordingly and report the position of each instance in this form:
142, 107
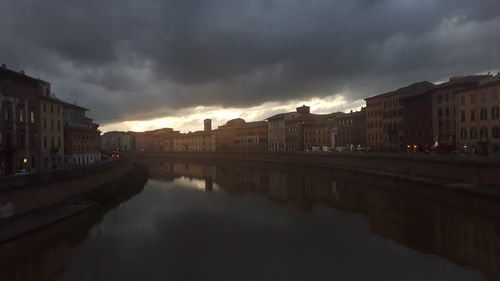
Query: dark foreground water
258, 222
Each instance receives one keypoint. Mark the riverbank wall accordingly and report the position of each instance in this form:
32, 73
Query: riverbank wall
464, 170
23, 194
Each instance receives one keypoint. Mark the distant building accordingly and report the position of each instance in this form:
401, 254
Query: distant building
251, 136
225, 135
444, 116
385, 128
81, 137
478, 111
351, 129
19, 122
117, 141
320, 130
193, 141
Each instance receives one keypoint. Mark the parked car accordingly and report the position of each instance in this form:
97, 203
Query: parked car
340, 149
21, 172
443, 149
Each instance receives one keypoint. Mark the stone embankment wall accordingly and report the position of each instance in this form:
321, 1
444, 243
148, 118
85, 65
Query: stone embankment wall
481, 171
22, 194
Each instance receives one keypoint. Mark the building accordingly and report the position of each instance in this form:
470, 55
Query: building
478, 128
351, 129
19, 121
384, 118
417, 118
225, 135
193, 141
251, 136
285, 130
51, 129
82, 142
444, 117
117, 141
319, 130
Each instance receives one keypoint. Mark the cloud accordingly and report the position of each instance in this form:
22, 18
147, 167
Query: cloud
134, 60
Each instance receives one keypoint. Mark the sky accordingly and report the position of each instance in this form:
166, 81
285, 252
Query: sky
146, 64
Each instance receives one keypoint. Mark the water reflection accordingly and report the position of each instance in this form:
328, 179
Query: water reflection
227, 221
461, 228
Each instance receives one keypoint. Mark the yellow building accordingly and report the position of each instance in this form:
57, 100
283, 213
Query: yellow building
51, 130
194, 141
478, 117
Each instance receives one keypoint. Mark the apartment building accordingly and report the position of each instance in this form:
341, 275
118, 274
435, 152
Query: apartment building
478, 128
351, 129
82, 142
251, 136
19, 121
51, 129
384, 118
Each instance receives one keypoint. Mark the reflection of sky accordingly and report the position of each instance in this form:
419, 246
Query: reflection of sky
174, 231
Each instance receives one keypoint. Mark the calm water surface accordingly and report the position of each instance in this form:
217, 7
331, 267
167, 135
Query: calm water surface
230, 222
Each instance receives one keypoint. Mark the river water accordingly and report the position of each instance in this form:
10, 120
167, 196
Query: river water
227, 221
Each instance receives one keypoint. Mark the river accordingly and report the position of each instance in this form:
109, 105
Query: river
254, 221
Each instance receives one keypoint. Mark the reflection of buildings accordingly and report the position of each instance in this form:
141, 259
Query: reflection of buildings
450, 225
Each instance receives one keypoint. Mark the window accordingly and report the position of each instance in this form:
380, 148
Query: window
51, 108
51, 124
495, 132
45, 142
44, 123
483, 96
472, 115
494, 112
462, 100
32, 117
440, 99
447, 112
473, 133
446, 98
494, 94
483, 132
44, 107
463, 133
472, 98
52, 142
483, 113
440, 112
21, 115
462, 116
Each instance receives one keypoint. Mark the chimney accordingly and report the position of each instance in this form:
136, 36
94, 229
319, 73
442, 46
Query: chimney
3, 65
22, 72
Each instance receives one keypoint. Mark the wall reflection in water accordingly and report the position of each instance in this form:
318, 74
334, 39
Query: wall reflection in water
462, 228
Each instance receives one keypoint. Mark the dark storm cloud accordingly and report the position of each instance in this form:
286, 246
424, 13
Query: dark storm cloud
137, 59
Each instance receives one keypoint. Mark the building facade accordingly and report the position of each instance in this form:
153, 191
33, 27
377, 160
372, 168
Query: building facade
194, 141
117, 141
385, 119
478, 128
444, 115
19, 121
351, 130
51, 130
82, 142
252, 136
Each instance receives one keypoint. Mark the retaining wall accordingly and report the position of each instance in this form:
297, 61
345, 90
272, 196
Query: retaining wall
22, 194
482, 171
